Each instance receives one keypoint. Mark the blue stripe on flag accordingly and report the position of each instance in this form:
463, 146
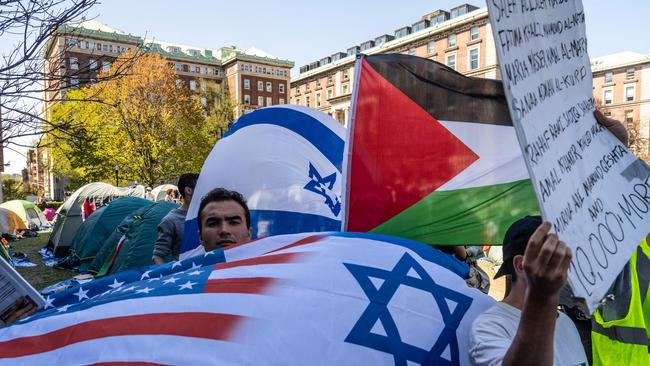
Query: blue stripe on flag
276, 222
425, 251
286, 222
318, 134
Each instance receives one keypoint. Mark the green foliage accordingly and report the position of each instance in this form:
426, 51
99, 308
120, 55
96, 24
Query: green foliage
146, 125
12, 189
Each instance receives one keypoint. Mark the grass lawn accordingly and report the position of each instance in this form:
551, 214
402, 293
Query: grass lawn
40, 276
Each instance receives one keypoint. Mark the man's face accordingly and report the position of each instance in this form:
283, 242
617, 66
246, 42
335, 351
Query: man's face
223, 223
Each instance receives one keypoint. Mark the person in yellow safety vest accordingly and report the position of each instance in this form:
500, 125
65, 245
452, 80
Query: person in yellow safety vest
620, 332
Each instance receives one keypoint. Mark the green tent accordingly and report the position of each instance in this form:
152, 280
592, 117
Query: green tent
68, 216
131, 244
98, 227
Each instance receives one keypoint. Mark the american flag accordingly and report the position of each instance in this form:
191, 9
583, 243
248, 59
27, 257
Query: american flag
339, 298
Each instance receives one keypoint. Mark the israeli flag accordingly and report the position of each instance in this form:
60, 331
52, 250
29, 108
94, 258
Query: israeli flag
287, 162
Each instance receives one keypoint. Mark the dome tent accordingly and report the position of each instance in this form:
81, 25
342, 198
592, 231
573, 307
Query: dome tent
160, 191
98, 227
31, 215
131, 243
68, 219
10, 222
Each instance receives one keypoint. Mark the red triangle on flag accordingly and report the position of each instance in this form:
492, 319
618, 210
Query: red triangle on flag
399, 153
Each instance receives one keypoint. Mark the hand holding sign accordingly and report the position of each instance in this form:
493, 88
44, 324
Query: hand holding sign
592, 190
546, 263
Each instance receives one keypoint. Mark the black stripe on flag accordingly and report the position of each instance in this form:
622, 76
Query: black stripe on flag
441, 91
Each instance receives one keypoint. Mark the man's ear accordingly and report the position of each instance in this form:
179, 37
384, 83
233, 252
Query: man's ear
250, 233
518, 265
188, 191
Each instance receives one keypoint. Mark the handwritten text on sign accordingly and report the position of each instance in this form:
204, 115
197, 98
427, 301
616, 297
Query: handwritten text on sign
589, 186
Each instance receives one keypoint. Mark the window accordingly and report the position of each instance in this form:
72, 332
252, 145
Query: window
345, 89
92, 64
473, 59
260, 86
178, 67
281, 88
451, 61
105, 47
630, 93
608, 114
111, 49
629, 74
247, 84
74, 63
281, 101
99, 46
473, 33
269, 86
412, 51
346, 74
74, 82
197, 69
192, 84
269, 101
247, 99
106, 65
179, 82
204, 102
451, 41
629, 119
203, 85
330, 93
318, 83
83, 44
330, 79
609, 77
307, 101
317, 99
607, 96
92, 45
260, 101
72, 43
431, 47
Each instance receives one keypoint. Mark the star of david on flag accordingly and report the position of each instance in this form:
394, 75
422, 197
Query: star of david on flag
445, 349
287, 160
331, 298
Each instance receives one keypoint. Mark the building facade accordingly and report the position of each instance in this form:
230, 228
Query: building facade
622, 89
76, 53
460, 38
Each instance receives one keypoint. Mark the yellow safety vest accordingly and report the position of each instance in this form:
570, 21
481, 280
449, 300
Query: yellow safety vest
622, 337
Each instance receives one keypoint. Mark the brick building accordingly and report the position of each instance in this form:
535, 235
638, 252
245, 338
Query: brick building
622, 88
460, 38
76, 53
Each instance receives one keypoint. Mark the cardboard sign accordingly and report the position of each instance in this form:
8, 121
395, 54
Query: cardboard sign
589, 186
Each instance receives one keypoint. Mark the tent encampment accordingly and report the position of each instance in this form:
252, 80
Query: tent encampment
69, 219
160, 191
10, 222
98, 227
28, 212
131, 244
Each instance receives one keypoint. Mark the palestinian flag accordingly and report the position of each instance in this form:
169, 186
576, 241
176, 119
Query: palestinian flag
432, 155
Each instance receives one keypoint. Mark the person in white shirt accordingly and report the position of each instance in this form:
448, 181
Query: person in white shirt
526, 328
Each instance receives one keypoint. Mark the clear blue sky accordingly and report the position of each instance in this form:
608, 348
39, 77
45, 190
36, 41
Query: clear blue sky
307, 30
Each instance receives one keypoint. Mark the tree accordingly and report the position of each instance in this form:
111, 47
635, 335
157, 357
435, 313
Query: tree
145, 123
12, 189
28, 25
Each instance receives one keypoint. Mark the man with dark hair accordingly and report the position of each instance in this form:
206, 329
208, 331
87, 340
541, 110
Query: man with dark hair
171, 228
223, 219
526, 328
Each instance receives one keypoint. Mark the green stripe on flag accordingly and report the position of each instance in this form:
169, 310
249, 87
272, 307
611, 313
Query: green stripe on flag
471, 216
